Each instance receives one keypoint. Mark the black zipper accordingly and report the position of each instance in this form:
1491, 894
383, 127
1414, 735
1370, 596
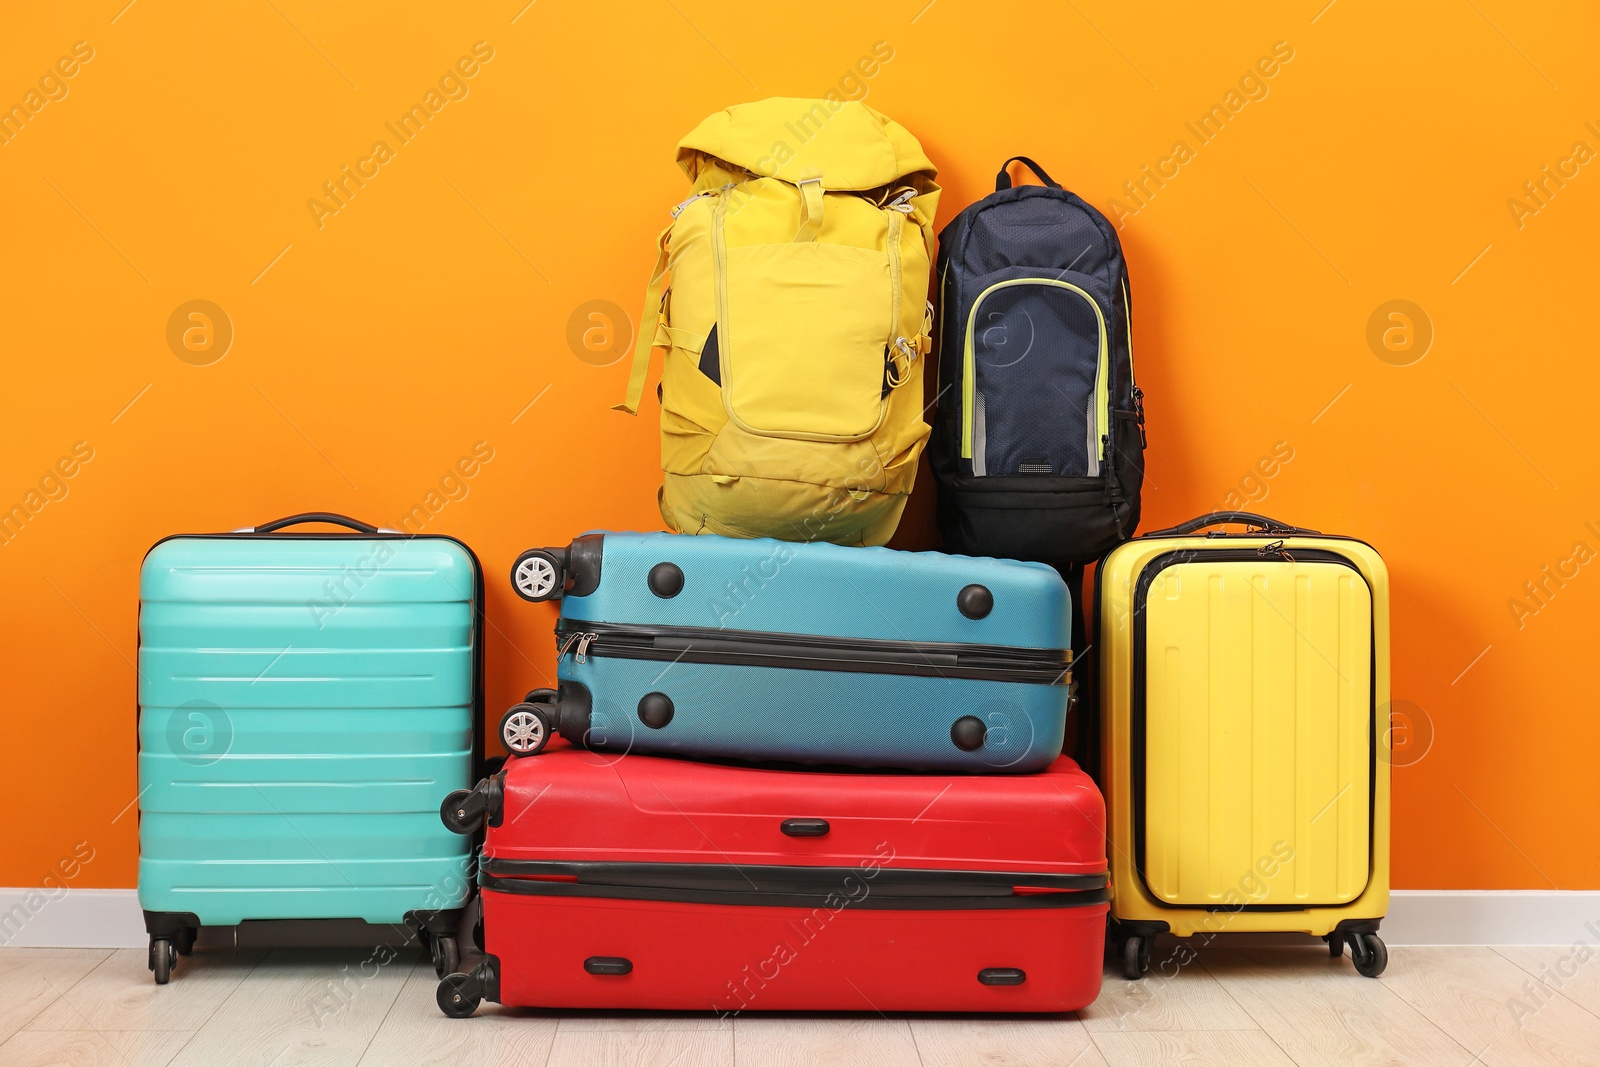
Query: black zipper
752, 648
891, 889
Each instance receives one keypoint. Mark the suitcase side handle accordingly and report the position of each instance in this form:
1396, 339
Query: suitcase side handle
329, 517
1219, 518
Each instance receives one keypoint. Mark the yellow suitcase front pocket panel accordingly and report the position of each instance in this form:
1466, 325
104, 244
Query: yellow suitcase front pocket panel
1258, 733
805, 331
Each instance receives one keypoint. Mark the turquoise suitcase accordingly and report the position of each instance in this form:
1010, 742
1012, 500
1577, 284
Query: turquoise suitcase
306, 701
712, 647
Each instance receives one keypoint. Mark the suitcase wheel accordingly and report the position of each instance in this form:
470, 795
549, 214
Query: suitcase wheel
446, 956
459, 995
163, 954
1370, 954
462, 811
525, 729
1335, 944
538, 575
1135, 956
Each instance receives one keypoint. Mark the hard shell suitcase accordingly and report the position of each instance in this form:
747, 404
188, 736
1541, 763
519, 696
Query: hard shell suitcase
814, 653
645, 882
306, 700
1244, 696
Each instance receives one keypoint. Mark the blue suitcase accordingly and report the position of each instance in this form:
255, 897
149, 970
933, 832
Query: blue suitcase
306, 702
810, 653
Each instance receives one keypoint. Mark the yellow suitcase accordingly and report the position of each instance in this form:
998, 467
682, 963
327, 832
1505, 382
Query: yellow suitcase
1244, 693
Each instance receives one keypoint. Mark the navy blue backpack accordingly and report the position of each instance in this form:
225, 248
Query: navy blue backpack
1038, 443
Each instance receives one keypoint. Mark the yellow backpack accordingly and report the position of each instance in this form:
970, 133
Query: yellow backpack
795, 324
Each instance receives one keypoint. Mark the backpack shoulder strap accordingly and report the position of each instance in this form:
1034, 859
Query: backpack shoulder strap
649, 319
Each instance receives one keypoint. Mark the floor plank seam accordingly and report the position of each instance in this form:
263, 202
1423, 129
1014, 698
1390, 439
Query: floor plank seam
376, 1030
1557, 990
218, 1007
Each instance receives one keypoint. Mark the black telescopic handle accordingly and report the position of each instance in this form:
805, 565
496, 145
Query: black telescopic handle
1218, 518
1003, 179
315, 516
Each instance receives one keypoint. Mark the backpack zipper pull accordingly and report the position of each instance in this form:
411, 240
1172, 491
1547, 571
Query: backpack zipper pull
902, 203
704, 192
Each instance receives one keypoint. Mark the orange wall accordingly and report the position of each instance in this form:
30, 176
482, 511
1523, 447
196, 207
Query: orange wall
375, 346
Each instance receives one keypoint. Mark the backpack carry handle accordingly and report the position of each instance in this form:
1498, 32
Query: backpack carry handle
313, 516
1003, 179
1218, 518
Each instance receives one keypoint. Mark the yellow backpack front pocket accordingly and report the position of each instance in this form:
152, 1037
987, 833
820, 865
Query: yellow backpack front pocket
805, 334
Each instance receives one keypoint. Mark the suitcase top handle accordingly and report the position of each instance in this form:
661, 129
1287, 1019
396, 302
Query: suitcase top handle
313, 516
1218, 518
1003, 179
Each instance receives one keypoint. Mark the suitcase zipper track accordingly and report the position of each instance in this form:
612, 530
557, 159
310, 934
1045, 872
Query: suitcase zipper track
950, 890
690, 644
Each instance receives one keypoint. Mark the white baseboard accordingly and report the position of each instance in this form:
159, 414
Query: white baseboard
71, 918
1492, 917
110, 918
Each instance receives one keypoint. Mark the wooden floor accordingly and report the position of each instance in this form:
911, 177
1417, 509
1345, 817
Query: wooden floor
1235, 1006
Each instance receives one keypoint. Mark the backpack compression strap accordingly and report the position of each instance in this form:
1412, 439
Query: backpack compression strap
649, 320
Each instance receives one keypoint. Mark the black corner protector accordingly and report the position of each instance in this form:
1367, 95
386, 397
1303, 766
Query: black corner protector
583, 563
968, 733
655, 710
169, 924
488, 972
494, 794
574, 711
975, 601
1002, 976
804, 827
665, 580
608, 965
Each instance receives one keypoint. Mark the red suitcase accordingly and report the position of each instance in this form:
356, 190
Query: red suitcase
650, 882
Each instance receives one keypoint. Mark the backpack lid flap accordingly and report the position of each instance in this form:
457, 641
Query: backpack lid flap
846, 144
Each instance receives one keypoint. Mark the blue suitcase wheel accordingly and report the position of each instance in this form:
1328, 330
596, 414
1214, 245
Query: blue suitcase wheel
538, 575
525, 729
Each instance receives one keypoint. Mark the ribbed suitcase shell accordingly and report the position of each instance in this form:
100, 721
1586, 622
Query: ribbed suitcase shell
850, 595
306, 702
581, 810
1245, 764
